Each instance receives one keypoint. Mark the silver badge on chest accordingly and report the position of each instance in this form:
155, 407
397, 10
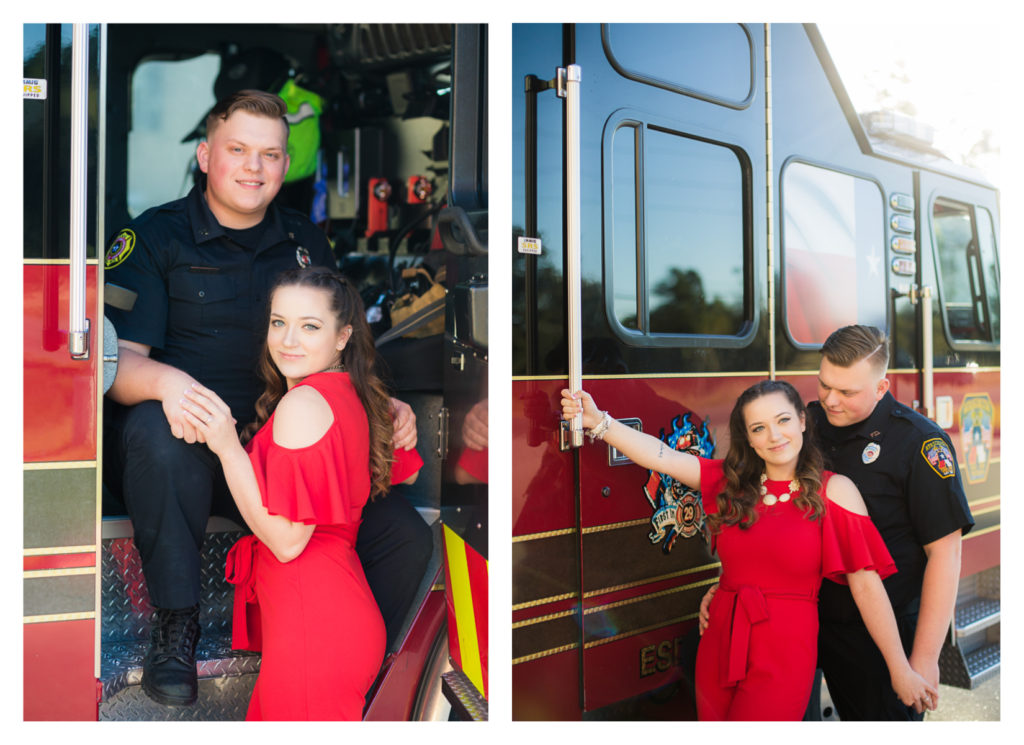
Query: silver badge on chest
871, 453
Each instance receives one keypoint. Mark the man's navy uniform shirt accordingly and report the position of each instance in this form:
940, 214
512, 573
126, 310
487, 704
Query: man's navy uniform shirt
202, 289
905, 468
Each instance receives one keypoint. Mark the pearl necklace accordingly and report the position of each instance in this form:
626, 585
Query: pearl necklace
770, 499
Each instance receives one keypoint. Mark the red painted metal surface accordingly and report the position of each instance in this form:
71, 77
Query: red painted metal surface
476, 565
60, 416
957, 385
59, 561
633, 666
656, 402
400, 682
655, 587
979, 553
544, 500
60, 684
60, 424
547, 688
542, 479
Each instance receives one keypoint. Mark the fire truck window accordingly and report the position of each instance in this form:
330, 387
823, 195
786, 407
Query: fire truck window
168, 100
968, 270
681, 234
624, 226
547, 334
711, 61
989, 268
34, 147
833, 252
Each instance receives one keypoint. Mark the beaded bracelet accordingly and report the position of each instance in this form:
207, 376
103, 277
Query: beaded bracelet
597, 433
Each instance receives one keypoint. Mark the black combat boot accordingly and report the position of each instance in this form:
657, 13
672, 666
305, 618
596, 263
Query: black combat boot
169, 670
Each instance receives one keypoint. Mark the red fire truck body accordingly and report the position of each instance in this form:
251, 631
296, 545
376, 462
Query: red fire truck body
695, 208
108, 111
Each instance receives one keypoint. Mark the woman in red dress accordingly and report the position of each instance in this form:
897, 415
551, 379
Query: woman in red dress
321, 446
780, 524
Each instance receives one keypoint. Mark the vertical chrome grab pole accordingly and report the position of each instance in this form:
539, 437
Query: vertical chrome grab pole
928, 352
78, 324
569, 88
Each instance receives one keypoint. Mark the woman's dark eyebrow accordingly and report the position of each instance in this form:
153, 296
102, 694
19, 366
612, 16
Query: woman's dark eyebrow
301, 318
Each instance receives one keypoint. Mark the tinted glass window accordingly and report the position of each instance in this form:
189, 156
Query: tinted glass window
34, 147
537, 338
968, 270
833, 252
989, 268
47, 142
168, 100
676, 201
709, 60
625, 227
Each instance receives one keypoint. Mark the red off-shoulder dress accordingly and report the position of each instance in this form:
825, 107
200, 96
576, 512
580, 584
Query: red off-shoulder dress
314, 618
757, 657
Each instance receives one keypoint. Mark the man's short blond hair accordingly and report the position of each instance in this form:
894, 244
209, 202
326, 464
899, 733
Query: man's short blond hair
851, 344
259, 103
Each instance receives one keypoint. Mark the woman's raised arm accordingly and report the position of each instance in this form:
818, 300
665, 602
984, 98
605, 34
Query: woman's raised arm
642, 449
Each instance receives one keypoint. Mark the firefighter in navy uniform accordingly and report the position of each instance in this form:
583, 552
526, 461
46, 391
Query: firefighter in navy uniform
186, 285
905, 468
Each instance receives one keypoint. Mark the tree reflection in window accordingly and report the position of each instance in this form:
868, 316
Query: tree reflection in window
677, 234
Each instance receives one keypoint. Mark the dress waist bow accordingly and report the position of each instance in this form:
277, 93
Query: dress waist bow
746, 606
238, 570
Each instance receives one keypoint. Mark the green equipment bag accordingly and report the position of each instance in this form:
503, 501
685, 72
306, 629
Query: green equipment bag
304, 109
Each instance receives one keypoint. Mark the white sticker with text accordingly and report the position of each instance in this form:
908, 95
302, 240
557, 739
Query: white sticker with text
529, 245
34, 88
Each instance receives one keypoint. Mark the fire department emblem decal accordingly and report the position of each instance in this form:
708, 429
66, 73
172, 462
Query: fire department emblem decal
976, 419
677, 507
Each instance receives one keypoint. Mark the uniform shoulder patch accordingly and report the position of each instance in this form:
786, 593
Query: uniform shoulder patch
939, 457
120, 248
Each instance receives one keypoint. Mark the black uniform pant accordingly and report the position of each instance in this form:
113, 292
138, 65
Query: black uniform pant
857, 676
169, 489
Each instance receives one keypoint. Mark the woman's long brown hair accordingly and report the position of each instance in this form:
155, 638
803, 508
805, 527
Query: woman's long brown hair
743, 466
359, 358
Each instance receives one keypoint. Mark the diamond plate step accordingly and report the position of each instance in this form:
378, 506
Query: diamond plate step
976, 615
221, 699
983, 663
121, 664
463, 696
126, 609
966, 669
226, 676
